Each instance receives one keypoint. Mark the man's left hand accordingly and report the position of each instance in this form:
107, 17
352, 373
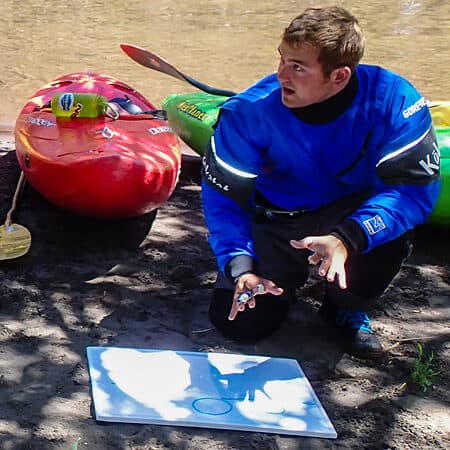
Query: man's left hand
330, 252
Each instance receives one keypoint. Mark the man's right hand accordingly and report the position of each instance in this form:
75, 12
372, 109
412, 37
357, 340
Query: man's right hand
249, 282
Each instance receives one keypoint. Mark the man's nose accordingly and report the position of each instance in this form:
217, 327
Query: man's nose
282, 73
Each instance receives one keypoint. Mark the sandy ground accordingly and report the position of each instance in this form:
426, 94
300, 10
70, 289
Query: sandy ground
145, 283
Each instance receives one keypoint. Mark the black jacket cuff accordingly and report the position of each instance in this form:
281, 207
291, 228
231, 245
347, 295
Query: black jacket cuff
238, 266
351, 234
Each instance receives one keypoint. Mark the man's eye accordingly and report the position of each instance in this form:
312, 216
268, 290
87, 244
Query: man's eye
297, 68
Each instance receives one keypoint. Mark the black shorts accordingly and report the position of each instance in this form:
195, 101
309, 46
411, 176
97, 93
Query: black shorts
368, 275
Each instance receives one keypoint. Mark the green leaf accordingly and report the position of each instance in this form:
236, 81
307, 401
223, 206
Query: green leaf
424, 373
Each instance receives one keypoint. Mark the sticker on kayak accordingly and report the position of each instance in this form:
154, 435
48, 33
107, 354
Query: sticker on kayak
40, 122
157, 130
191, 109
66, 101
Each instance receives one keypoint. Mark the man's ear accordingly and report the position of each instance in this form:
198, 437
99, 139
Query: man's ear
341, 75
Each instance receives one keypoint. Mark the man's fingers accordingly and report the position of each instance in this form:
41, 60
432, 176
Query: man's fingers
342, 280
314, 259
245, 298
331, 274
338, 270
324, 267
247, 289
233, 312
238, 307
302, 243
251, 304
330, 252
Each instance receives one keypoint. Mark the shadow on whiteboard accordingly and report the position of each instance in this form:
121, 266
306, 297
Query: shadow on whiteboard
212, 390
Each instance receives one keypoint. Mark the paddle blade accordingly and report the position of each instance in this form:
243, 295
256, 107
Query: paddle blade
150, 60
15, 241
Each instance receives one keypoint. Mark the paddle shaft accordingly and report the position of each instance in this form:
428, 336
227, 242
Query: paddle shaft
15, 240
152, 61
19, 187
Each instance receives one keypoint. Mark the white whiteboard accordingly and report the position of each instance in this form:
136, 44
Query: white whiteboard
213, 390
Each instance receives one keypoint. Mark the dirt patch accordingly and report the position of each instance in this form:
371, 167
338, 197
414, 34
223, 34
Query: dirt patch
145, 282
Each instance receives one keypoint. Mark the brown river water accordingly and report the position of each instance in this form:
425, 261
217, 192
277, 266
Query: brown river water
224, 43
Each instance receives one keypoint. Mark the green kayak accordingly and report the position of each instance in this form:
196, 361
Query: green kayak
440, 111
193, 115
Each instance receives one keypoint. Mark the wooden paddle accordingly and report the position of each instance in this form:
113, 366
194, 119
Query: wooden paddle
15, 240
152, 61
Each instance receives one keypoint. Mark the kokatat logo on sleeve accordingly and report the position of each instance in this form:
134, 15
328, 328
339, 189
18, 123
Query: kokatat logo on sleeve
374, 225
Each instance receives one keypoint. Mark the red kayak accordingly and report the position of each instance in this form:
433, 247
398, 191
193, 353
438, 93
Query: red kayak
110, 166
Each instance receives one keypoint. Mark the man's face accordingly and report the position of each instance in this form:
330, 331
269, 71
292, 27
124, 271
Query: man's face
301, 76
